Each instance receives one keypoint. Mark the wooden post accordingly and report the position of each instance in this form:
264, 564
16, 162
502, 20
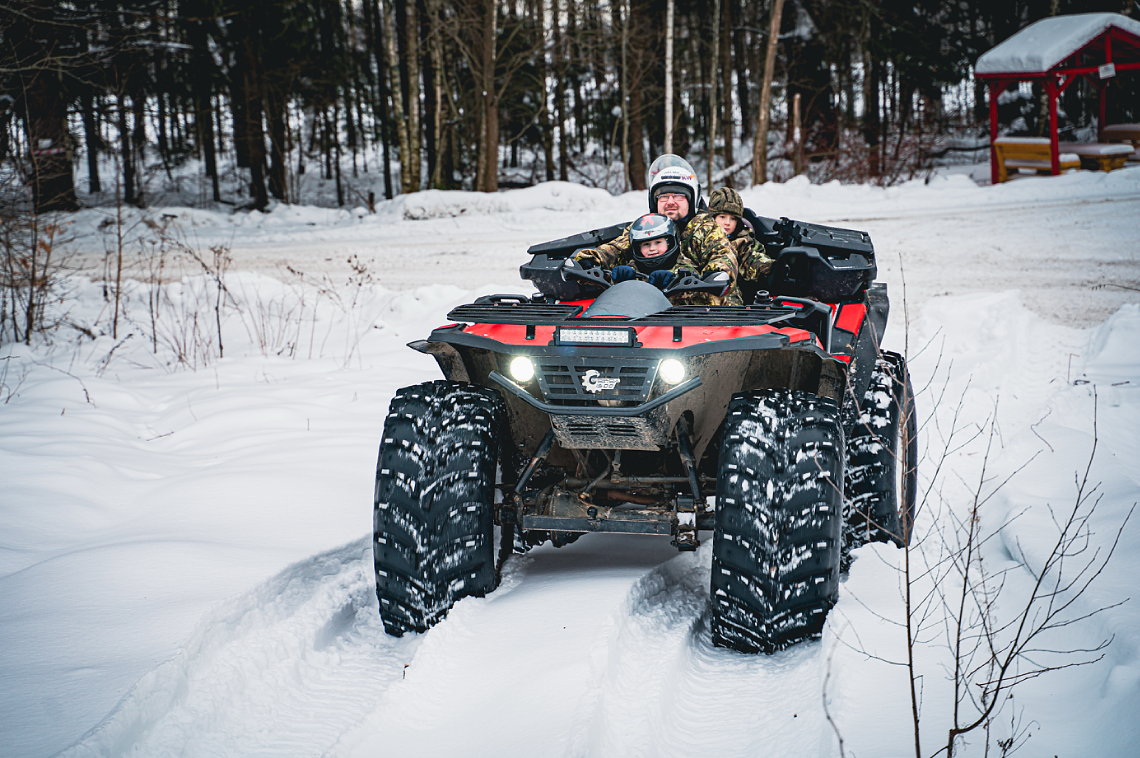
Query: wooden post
797, 138
1051, 91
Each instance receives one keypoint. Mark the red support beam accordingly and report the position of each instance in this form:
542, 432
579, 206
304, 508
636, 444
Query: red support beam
1101, 87
995, 89
1051, 89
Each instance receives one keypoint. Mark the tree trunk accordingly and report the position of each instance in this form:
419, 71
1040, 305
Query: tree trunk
138, 137
543, 75
397, 102
334, 133
487, 177
760, 142
91, 137
714, 65
727, 120
254, 126
742, 61
797, 137
238, 109
278, 143
637, 167
53, 186
435, 77
577, 62
126, 153
669, 75
408, 25
204, 128
871, 125
560, 92
201, 94
378, 23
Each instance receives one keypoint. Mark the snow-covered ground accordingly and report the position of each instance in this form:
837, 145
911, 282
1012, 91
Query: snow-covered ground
185, 556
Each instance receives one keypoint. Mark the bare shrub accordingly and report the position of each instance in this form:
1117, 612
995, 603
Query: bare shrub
32, 274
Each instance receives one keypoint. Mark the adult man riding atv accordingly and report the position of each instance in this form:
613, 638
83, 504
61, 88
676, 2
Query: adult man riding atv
675, 192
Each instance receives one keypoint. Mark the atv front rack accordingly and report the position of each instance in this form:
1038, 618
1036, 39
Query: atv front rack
801, 313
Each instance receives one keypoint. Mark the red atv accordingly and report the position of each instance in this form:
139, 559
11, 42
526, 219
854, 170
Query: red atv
780, 427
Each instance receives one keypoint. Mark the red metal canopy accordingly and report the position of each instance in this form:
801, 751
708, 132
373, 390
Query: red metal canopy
1056, 51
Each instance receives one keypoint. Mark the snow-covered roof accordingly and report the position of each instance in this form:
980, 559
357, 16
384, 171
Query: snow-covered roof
1045, 43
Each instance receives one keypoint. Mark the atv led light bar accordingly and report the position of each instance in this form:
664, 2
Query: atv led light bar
565, 335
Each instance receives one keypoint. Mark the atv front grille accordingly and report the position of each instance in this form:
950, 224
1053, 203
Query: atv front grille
633, 433
586, 384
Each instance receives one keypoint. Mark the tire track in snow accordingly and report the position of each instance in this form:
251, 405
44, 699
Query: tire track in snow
662, 689
504, 675
280, 670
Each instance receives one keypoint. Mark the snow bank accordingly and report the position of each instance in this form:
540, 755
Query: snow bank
550, 196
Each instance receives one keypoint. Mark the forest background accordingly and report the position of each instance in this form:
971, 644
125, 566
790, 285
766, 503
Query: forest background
121, 102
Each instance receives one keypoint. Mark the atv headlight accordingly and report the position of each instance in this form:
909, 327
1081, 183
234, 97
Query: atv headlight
522, 369
672, 370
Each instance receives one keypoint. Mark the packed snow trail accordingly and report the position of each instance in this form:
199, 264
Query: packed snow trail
1071, 238
598, 649
299, 657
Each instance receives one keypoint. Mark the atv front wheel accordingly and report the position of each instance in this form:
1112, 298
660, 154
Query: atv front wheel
776, 544
435, 492
881, 452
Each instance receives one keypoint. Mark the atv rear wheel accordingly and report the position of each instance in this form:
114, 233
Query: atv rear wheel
435, 492
776, 544
881, 453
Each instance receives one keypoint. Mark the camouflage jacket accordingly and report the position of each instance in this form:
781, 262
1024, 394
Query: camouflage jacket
752, 258
704, 249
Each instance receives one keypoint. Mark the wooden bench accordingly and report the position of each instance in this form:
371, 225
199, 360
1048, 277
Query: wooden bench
1128, 134
1029, 152
1098, 156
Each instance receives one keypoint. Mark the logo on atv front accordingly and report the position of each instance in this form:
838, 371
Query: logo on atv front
595, 382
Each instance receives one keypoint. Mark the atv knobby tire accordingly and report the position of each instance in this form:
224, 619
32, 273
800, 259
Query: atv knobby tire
778, 526
881, 452
435, 491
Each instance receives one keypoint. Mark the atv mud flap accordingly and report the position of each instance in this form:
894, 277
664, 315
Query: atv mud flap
567, 512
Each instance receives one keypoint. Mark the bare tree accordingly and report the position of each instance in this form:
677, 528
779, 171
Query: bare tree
760, 144
991, 656
669, 76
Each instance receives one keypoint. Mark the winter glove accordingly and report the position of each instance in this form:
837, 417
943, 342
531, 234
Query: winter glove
622, 274
661, 279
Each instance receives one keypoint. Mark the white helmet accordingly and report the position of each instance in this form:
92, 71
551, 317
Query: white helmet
673, 173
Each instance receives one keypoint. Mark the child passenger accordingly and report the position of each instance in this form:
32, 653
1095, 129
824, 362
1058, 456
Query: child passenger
727, 207
656, 248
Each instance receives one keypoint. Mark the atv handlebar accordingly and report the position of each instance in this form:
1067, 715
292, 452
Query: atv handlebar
596, 275
716, 283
